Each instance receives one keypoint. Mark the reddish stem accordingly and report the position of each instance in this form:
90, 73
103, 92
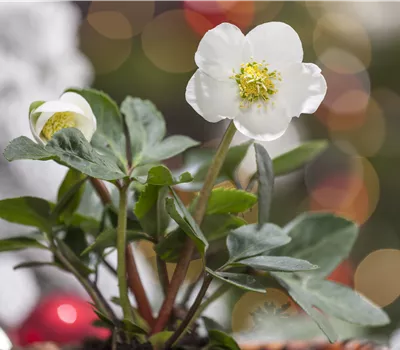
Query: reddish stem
136, 286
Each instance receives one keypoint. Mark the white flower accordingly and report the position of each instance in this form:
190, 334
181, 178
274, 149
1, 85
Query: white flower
70, 111
258, 80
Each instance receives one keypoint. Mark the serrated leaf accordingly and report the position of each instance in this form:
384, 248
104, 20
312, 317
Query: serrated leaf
19, 243
70, 148
109, 121
251, 240
193, 231
265, 183
168, 148
321, 238
240, 280
304, 300
28, 211
221, 340
146, 126
225, 201
24, 148
277, 263
344, 303
160, 175
298, 157
197, 162
108, 239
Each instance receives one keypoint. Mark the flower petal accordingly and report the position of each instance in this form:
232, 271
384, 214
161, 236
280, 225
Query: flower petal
214, 100
303, 88
276, 43
85, 125
263, 123
78, 100
58, 106
221, 50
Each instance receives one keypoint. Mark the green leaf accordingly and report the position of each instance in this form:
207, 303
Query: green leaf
251, 240
73, 259
109, 121
28, 211
345, 303
104, 319
169, 247
190, 228
150, 210
225, 201
145, 124
19, 243
197, 162
169, 147
277, 263
305, 301
33, 264
321, 238
265, 183
75, 239
158, 340
241, 280
70, 148
69, 194
221, 340
160, 175
298, 157
133, 328
217, 226
108, 239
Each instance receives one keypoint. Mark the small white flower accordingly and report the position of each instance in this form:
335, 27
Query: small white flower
258, 80
70, 111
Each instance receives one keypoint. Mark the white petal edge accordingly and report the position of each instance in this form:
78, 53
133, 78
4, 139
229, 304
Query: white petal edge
58, 106
221, 50
275, 42
82, 103
302, 89
214, 100
265, 123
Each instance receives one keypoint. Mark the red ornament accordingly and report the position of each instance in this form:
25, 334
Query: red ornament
60, 318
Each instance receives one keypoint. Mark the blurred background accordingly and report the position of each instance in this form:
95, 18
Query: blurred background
146, 49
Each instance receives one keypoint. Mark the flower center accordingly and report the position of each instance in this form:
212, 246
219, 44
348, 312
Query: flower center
256, 83
57, 122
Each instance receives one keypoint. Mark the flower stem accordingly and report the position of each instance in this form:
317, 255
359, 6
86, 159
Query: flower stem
136, 286
162, 274
196, 310
121, 245
187, 251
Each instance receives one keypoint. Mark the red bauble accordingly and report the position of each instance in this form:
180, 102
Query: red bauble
60, 318
344, 274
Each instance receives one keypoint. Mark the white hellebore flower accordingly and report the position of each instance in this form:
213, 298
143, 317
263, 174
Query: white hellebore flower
258, 80
71, 110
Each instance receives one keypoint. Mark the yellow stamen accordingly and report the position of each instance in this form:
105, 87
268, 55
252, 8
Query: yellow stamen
256, 83
57, 122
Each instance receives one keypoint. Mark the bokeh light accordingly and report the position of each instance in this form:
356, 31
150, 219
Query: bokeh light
375, 276
252, 306
67, 313
169, 43
111, 24
137, 13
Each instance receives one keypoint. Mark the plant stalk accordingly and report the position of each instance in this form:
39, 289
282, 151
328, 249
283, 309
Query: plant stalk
187, 251
192, 311
121, 245
163, 274
136, 286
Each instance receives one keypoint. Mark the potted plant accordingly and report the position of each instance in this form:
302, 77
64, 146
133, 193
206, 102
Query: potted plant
259, 82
